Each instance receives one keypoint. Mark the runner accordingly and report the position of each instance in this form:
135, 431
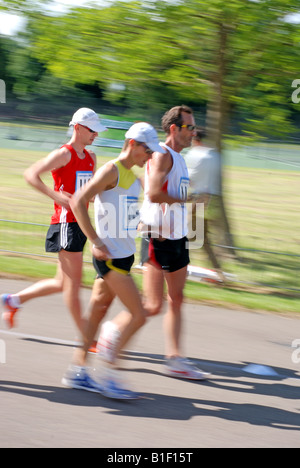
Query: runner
71, 167
165, 252
116, 189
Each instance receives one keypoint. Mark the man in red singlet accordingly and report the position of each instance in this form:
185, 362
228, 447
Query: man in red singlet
71, 167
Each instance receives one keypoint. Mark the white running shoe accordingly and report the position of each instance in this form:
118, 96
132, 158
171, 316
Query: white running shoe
114, 388
108, 339
78, 377
182, 368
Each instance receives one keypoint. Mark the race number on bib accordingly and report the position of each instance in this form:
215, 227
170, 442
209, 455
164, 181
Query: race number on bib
82, 178
183, 188
130, 213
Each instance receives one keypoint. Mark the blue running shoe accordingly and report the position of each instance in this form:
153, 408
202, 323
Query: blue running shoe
78, 378
112, 389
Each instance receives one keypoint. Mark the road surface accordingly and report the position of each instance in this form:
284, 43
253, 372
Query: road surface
234, 408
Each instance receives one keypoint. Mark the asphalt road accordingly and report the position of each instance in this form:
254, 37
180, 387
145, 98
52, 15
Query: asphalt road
234, 408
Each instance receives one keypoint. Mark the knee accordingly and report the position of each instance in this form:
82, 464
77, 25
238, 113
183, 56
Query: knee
153, 309
176, 300
59, 285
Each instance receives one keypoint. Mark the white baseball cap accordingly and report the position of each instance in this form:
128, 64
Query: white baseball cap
143, 132
88, 118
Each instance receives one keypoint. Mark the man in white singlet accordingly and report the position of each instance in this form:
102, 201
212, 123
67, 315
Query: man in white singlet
167, 254
165, 251
116, 189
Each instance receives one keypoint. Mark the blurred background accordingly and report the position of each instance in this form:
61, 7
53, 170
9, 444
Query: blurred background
236, 63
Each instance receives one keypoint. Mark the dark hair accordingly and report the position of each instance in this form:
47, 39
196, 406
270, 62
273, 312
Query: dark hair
174, 116
200, 134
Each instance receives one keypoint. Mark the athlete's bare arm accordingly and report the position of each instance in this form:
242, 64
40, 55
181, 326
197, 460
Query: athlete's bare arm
160, 166
56, 159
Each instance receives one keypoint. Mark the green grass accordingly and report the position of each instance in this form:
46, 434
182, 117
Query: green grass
263, 211
230, 296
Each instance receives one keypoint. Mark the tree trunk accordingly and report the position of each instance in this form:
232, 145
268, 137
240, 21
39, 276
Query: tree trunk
217, 121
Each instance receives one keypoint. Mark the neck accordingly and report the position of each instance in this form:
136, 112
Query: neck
77, 145
126, 159
170, 141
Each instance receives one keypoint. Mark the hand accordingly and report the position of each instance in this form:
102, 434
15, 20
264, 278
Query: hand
100, 253
63, 199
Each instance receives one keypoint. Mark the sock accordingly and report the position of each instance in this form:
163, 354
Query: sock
14, 301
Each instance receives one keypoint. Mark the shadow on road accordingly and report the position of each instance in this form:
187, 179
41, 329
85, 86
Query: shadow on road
226, 376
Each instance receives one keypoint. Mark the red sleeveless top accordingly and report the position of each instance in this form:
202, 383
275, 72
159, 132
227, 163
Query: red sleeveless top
71, 178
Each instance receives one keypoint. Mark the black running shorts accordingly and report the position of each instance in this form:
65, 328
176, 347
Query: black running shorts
169, 254
120, 265
65, 236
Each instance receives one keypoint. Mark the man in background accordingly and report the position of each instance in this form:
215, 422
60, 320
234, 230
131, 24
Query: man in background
204, 168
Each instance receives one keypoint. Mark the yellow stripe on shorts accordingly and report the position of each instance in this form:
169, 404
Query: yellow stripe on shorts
110, 265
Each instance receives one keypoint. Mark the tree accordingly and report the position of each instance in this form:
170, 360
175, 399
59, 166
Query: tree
236, 55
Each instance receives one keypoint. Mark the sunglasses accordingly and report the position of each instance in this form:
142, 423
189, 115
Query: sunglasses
189, 127
147, 149
91, 131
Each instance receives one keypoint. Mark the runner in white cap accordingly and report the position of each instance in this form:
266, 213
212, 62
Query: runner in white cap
116, 191
71, 167
89, 119
165, 252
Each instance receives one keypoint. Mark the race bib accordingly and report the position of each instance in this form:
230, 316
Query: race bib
183, 188
82, 178
130, 213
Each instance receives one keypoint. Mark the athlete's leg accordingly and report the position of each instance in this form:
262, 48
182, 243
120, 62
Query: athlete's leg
124, 287
153, 286
71, 267
42, 288
100, 301
173, 318
153, 289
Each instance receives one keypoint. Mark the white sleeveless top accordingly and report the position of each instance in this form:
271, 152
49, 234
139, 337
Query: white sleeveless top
169, 221
117, 213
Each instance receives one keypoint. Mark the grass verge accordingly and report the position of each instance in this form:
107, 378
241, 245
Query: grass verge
229, 296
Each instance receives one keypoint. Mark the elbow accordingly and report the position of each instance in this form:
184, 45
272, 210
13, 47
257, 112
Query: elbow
74, 204
28, 176
154, 197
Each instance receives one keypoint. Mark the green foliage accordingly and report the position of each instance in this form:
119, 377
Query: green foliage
236, 57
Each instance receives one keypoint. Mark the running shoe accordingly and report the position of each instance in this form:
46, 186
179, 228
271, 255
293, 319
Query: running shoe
113, 386
108, 339
93, 349
182, 368
78, 378
113, 389
8, 315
